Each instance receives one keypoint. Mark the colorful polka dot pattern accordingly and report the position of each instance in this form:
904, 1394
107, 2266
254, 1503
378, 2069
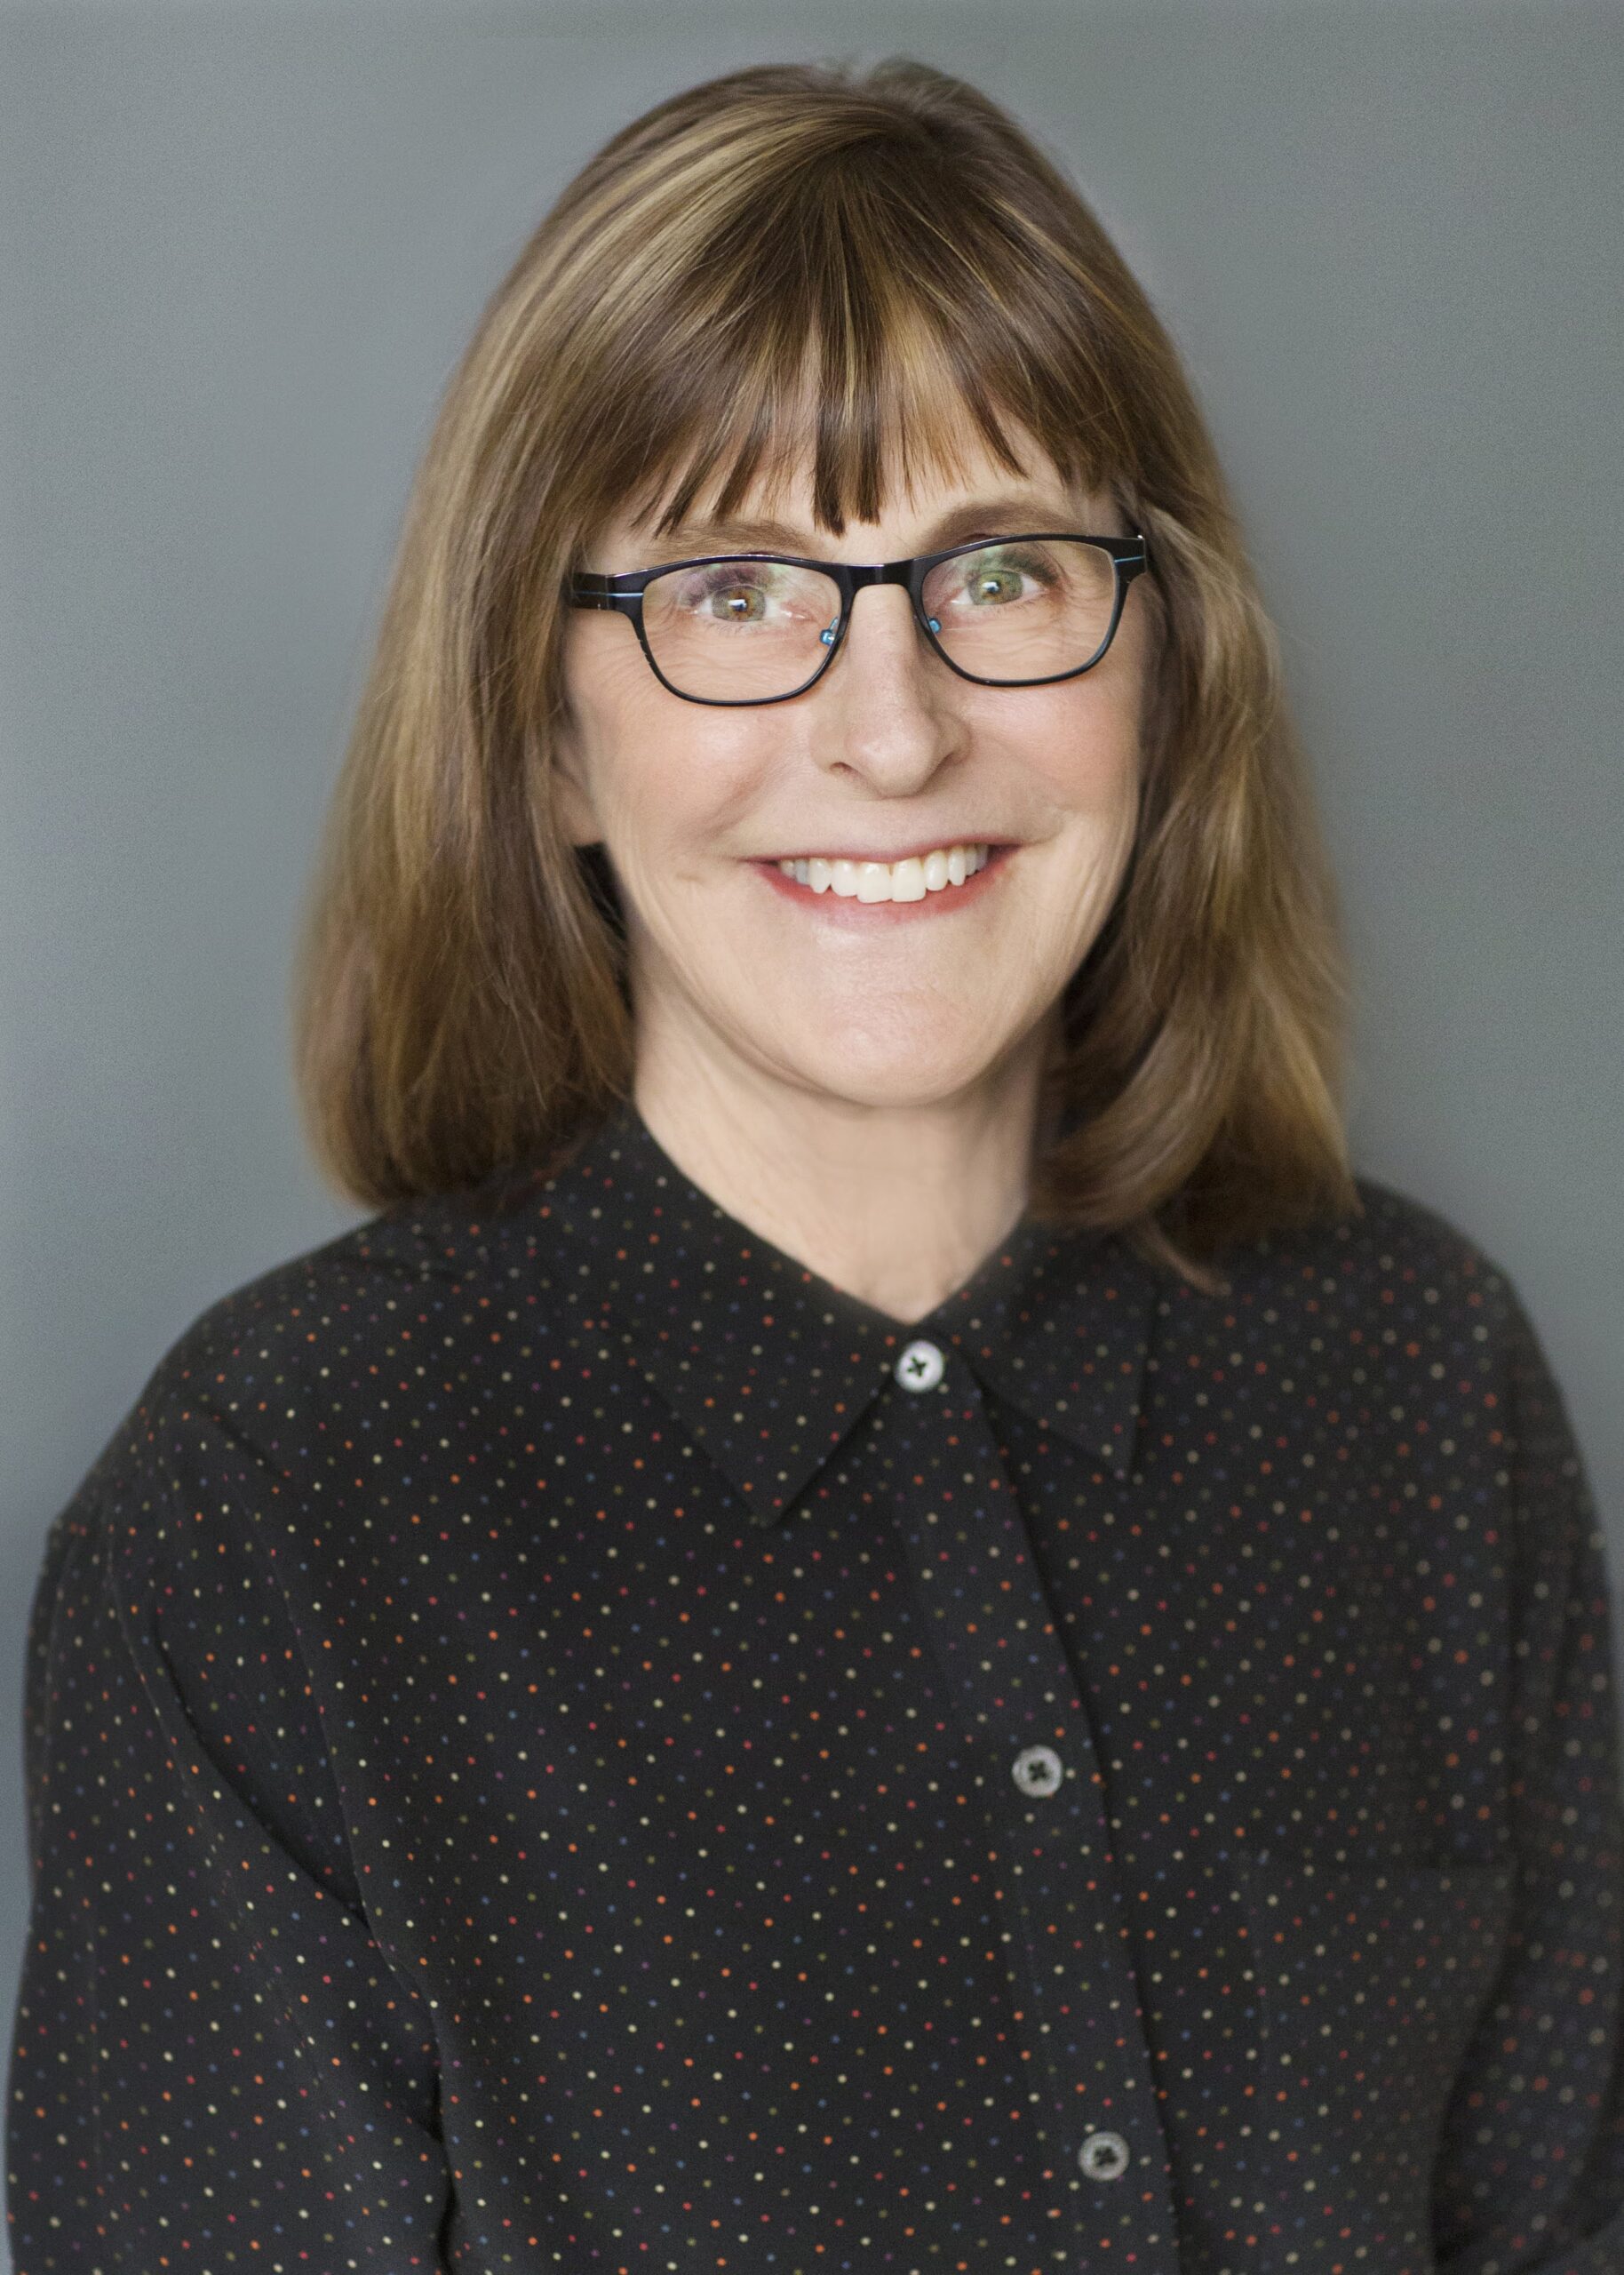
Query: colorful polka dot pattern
559, 1740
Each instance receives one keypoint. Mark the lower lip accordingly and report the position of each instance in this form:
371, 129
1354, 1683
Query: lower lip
838, 908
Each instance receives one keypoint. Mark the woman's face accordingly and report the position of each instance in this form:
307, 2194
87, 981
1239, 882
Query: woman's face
742, 970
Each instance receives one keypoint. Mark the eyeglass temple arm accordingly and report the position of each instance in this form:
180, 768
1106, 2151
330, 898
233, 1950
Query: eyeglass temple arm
587, 589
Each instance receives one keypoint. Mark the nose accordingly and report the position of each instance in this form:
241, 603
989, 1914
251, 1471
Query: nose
883, 603
888, 697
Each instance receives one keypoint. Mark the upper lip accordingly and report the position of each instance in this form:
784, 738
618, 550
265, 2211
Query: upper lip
920, 846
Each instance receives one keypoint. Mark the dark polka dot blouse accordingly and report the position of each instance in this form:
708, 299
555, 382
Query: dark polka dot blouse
558, 1740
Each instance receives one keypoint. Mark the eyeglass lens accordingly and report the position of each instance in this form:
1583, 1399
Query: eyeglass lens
739, 629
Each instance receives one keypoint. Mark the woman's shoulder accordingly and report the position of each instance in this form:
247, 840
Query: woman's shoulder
375, 1311
1399, 1273
1393, 1231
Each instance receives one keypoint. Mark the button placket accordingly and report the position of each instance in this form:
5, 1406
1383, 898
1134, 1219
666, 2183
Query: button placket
994, 1642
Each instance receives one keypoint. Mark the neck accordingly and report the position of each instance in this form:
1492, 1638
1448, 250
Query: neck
897, 1205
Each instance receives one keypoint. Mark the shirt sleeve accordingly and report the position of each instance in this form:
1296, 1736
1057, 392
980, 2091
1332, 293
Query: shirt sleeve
213, 2064
1531, 2176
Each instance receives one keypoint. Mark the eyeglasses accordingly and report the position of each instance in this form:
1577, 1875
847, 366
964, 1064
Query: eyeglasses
760, 628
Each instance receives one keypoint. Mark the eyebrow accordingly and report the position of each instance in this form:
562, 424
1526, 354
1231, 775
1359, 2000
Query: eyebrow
977, 517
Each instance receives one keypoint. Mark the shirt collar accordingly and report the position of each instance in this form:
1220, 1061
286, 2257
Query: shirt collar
770, 1366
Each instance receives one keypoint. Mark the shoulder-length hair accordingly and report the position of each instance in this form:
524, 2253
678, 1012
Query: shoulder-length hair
786, 252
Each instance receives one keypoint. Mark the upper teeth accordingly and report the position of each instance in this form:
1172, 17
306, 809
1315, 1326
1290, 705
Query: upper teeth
909, 880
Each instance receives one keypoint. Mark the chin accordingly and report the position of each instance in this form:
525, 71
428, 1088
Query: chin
886, 1087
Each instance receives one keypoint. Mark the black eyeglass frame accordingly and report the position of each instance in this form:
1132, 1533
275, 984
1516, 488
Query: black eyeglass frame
623, 593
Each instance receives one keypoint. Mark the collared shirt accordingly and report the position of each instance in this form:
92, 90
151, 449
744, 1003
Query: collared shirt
559, 1740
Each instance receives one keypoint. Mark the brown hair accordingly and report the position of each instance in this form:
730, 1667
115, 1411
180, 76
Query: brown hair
754, 256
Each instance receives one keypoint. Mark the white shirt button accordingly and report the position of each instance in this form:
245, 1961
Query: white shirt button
920, 1367
1039, 1769
1103, 2156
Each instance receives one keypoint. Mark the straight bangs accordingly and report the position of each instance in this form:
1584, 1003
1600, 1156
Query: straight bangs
752, 280
868, 357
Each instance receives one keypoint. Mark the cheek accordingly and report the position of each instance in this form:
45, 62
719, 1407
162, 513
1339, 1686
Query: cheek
686, 789
625, 743
1082, 747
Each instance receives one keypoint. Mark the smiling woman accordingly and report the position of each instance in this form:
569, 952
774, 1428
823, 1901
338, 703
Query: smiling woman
880, 1620
536, 894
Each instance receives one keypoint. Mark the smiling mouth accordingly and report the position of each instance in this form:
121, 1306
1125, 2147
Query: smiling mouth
943, 874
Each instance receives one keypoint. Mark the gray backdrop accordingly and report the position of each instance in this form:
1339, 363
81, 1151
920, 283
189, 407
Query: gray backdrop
240, 249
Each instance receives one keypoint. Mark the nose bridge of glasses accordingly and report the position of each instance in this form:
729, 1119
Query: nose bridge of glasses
878, 572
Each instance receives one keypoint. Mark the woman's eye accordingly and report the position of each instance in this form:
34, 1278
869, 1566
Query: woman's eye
734, 598
727, 594
990, 579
